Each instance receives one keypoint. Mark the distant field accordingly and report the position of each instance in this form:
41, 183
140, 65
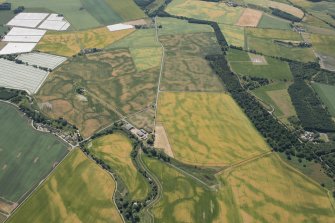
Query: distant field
268, 21
274, 69
78, 191
27, 156
185, 56
326, 93
208, 128
126, 9
111, 84
276, 94
267, 190
115, 150
233, 34
212, 11
250, 17
70, 43
177, 26
190, 203
262, 40
85, 14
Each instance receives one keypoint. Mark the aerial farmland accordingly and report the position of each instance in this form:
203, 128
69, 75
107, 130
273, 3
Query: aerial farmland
167, 111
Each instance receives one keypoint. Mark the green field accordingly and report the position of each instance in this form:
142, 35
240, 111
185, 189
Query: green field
268, 21
84, 14
184, 56
27, 155
261, 190
262, 40
111, 83
177, 26
208, 128
233, 34
143, 38
324, 44
326, 93
212, 11
78, 191
182, 200
277, 96
274, 69
115, 150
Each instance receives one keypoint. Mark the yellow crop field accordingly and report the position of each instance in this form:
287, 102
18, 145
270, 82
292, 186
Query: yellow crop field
268, 190
78, 191
70, 43
287, 8
115, 150
218, 12
208, 128
233, 34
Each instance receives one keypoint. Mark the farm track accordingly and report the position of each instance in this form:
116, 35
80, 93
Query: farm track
160, 73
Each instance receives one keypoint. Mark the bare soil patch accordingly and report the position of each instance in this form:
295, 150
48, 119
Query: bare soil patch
250, 17
257, 59
162, 141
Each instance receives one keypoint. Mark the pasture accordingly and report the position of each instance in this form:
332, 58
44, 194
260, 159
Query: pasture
233, 34
271, 22
184, 55
276, 95
112, 88
326, 93
323, 44
146, 58
27, 155
78, 191
218, 12
143, 38
143, 120
262, 40
70, 43
115, 150
273, 69
268, 190
208, 128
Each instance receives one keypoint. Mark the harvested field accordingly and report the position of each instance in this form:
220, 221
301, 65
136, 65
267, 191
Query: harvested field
218, 12
273, 69
115, 150
112, 88
162, 141
185, 57
78, 191
268, 190
287, 8
20, 76
250, 17
70, 43
42, 60
208, 128
20, 145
